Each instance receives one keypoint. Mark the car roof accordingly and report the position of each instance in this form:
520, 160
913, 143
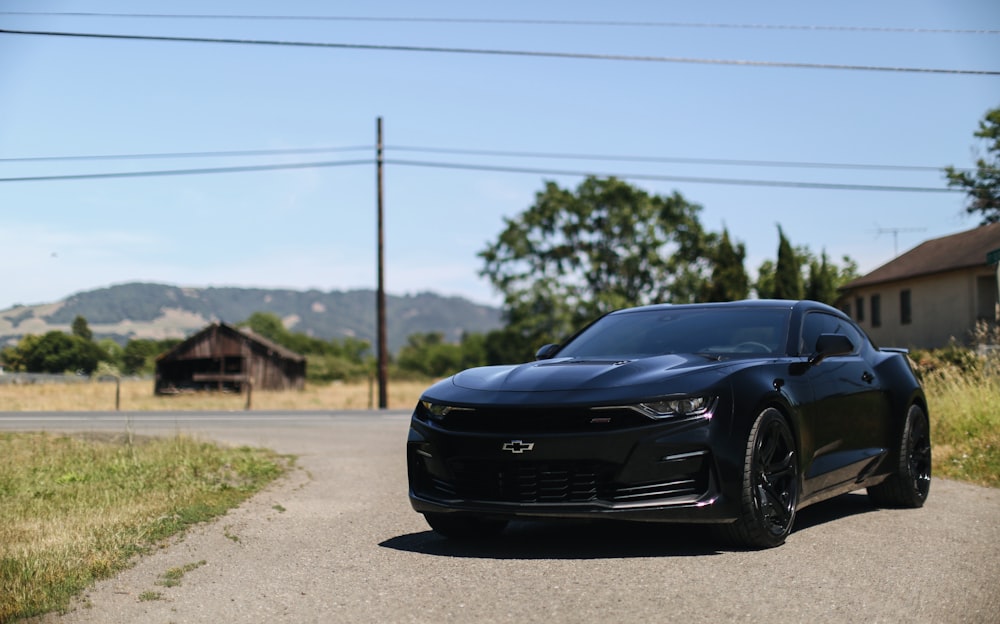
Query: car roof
786, 304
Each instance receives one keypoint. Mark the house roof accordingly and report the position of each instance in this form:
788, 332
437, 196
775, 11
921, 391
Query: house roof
948, 253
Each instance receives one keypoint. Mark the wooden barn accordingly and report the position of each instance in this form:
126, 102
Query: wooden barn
225, 358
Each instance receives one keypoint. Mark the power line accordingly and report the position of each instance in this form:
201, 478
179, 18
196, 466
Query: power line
690, 179
496, 52
671, 159
525, 22
502, 169
254, 152
498, 153
177, 172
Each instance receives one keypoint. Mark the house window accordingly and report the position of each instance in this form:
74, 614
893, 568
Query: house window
905, 309
876, 301
859, 305
986, 298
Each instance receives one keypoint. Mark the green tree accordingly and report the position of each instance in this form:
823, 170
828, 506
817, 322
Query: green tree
507, 346
821, 282
764, 286
327, 360
826, 278
57, 352
983, 186
729, 278
473, 350
574, 255
430, 355
787, 271
13, 356
139, 355
81, 329
267, 325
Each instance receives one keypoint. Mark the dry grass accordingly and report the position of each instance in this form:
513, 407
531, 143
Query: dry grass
965, 424
79, 508
137, 396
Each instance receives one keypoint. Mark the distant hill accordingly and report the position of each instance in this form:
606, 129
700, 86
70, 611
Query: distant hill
160, 311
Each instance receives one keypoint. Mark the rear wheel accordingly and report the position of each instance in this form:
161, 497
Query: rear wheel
770, 486
910, 484
461, 526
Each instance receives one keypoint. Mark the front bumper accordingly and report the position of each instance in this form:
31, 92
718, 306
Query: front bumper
657, 472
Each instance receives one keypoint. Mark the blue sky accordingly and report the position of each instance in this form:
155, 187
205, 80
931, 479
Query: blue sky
316, 227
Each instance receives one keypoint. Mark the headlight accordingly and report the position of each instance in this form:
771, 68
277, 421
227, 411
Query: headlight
437, 411
667, 408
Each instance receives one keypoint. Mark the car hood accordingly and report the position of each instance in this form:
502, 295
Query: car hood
564, 374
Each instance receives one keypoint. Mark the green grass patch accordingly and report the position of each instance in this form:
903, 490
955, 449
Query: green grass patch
79, 508
173, 576
965, 422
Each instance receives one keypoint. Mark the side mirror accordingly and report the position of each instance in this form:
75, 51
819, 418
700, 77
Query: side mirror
828, 345
546, 352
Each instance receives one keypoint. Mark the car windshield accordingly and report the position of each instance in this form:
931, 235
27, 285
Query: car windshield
659, 331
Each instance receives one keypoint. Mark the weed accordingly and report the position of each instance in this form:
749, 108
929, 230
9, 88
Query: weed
229, 534
173, 576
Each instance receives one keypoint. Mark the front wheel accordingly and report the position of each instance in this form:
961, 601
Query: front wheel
461, 526
909, 485
770, 489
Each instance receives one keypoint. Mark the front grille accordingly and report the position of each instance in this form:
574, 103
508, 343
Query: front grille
558, 482
529, 482
547, 420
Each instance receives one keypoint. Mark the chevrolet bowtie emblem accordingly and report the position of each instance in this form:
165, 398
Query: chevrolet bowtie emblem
517, 446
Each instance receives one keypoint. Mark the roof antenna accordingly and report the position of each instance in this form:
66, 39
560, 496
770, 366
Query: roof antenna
895, 235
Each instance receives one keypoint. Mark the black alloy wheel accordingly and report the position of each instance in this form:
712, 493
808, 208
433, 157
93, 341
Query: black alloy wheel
911, 483
770, 485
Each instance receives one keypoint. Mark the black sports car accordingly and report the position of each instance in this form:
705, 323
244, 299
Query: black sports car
737, 414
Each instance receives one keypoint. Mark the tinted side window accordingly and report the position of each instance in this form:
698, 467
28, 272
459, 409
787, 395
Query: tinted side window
817, 323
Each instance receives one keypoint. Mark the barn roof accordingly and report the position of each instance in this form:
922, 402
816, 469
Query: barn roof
948, 253
270, 345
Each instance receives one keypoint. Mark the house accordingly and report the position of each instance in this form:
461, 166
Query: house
227, 358
931, 294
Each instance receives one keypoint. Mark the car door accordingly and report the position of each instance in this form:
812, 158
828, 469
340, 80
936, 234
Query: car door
845, 422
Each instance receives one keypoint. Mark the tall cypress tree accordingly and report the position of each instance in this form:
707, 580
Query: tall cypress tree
788, 272
729, 278
822, 281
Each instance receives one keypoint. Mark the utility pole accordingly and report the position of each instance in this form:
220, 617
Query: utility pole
383, 393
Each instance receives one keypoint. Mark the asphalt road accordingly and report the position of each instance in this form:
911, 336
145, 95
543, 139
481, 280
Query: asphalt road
336, 541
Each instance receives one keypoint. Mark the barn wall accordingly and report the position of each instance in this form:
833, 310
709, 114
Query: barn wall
222, 358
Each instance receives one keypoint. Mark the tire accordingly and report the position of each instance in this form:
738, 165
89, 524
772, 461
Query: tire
910, 484
770, 487
460, 526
